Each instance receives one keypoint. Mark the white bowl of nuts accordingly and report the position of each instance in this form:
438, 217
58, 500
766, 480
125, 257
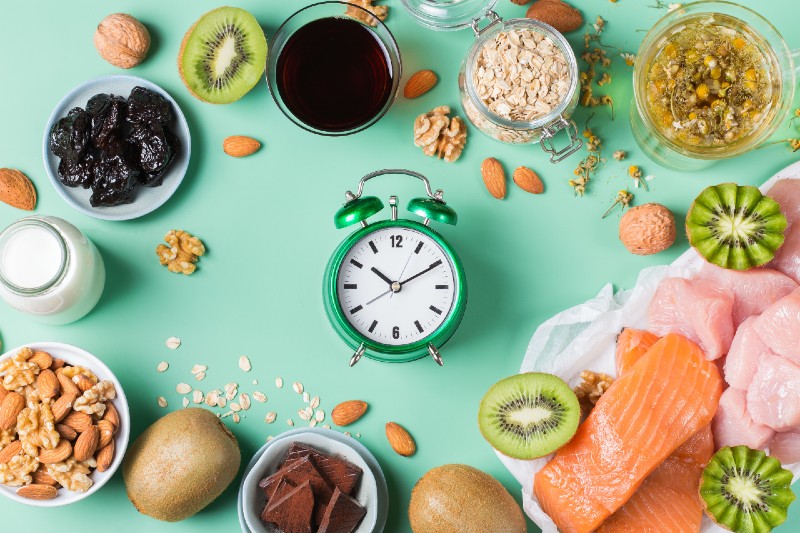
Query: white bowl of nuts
64, 424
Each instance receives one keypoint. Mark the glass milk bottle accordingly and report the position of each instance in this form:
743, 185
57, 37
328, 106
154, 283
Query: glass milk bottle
49, 269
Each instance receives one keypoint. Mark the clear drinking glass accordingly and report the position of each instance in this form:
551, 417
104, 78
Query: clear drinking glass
335, 10
782, 65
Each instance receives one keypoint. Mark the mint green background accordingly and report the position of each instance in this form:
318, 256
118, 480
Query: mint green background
267, 222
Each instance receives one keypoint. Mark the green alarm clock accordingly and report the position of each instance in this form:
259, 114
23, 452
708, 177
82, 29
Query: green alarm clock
394, 290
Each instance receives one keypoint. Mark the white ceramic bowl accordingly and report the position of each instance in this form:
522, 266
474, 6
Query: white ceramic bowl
76, 356
372, 492
146, 199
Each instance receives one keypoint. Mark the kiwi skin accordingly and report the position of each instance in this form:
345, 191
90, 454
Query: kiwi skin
737, 473
543, 393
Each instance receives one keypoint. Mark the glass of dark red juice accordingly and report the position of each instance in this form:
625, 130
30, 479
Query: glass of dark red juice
333, 68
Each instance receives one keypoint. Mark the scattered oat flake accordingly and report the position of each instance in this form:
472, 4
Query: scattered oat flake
196, 369
235, 407
279, 382
326, 426
162, 402
186, 402
197, 396
290, 422
173, 343
200, 376
231, 393
244, 363
183, 388
270, 417
244, 401
162, 366
319, 415
303, 414
259, 396
212, 398
347, 433
222, 402
312, 423
314, 402
236, 417
298, 387
306, 397
225, 415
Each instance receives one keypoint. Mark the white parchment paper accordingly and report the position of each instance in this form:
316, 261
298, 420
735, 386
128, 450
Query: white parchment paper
584, 336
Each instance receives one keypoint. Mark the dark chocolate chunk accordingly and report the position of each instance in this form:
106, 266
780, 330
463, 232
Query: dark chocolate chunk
283, 488
298, 472
342, 515
146, 107
292, 513
338, 471
69, 137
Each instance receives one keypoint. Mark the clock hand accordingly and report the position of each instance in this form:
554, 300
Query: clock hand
381, 275
418, 274
403, 271
379, 297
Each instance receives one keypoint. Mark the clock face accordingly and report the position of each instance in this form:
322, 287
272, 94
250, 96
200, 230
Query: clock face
396, 286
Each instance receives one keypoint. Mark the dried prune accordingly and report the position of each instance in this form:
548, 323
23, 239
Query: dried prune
115, 177
155, 150
146, 106
77, 173
108, 119
69, 136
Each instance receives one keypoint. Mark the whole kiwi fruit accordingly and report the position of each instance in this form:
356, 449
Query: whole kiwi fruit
180, 464
462, 499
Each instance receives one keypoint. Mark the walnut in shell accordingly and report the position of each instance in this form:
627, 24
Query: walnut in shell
647, 229
122, 40
182, 253
437, 134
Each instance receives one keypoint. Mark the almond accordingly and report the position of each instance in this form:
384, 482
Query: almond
86, 444
66, 432
47, 383
57, 363
348, 412
67, 386
12, 404
43, 359
520, 2
556, 13
112, 415
527, 180
494, 177
3, 393
41, 477
419, 83
78, 421
56, 455
240, 146
16, 189
38, 491
400, 440
63, 406
107, 430
83, 382
10, 451
105, 457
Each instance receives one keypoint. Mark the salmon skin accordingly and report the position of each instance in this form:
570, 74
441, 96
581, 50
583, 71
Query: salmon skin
632, 344
646, 414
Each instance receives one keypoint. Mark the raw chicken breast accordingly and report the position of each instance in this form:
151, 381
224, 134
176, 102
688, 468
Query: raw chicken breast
733, 425
773, 398
779, 326
742, 360
786, 447
753, 290
699, 309
787, 259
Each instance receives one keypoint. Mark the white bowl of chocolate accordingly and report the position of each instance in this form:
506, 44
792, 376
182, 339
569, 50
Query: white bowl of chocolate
310, 483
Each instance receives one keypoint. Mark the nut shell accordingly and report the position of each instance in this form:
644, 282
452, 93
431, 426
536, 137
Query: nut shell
647, 229
122, 40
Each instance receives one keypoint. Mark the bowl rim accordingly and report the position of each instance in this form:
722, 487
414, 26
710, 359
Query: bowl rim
375, 470
107, 213
120, 439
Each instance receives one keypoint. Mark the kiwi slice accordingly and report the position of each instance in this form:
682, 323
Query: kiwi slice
746, 491
529, 415
223, 55
735, 226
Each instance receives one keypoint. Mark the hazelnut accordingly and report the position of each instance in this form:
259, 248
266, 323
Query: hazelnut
122, 40
647, 229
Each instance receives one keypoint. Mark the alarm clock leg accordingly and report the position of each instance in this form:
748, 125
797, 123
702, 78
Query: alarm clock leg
357, 356
435, 354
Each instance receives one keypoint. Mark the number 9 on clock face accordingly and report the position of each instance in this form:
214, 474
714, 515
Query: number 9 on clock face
398, 287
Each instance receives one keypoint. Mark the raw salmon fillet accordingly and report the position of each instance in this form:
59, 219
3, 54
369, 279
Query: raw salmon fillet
667, 501
646, 414
632, 344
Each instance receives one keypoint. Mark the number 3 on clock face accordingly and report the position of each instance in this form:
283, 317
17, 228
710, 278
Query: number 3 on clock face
398, 287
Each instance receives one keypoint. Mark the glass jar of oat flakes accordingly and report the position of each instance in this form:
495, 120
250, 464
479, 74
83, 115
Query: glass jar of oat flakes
518, 81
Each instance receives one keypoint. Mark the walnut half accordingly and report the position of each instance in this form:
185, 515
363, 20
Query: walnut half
437, 134
182, 253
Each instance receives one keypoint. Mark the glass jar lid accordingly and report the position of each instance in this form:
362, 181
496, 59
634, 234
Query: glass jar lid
447, 15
